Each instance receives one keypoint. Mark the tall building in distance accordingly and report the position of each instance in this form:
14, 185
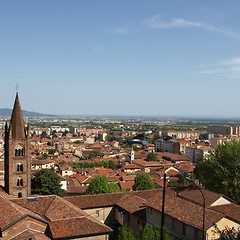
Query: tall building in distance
17, 159
224, 129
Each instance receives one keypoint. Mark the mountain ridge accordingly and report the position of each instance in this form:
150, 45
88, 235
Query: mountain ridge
7, 112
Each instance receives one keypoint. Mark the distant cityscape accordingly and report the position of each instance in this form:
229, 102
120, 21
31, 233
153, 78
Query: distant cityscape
118, 150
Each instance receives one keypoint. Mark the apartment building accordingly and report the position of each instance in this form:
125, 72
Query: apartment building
196, 153
224, 130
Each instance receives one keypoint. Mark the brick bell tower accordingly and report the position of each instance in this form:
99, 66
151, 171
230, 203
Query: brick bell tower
17, 161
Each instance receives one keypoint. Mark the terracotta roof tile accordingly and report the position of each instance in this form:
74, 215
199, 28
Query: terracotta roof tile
66, 219
231, 210
106, 200
30, 234
192, 193
131, 203
131, 166
126, 185
74, 227
185, 211
11, 211
128, 177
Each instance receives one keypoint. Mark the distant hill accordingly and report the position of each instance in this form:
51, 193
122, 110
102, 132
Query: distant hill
6, 112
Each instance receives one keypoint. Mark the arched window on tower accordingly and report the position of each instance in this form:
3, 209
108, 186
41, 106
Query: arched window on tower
19, 195
19, 150
19, 182
19, 167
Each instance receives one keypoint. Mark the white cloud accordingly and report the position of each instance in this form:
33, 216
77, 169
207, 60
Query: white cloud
156, 22
233, 61
213, 71
229, 68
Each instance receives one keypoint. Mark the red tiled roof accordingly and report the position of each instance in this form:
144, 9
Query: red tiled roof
172, 172
92, 201
67, 228
126, 185
193, 194
41, 162
186, 167
131, 166
66, 219
30, 234
128, 177
185, 211
106, 200
231, 210
143, 162
131, 203
161, 183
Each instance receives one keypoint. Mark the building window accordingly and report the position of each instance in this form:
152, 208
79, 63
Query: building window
19, 195
19, 151
19, 167
149, 210
19, 182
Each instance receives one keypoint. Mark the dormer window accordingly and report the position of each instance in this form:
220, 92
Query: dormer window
19, 167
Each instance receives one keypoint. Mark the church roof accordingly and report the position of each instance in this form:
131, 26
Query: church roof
17, 127
11, 212
65, 219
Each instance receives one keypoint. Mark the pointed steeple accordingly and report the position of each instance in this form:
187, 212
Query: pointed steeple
17, 126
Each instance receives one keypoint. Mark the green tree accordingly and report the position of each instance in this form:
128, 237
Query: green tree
65, 132
111, 164
37, 152
221, 171
43, 134
145, 233
109, 137
54, 134
143, 182
113, 187
152, 157
125, 234
94, 155
148, 233
46, 182
98, 185
51, 151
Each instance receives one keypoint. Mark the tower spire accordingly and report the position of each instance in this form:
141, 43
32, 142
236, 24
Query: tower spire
17, 161
17, 126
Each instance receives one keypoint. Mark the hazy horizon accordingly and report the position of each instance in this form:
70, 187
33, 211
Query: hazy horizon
164, 58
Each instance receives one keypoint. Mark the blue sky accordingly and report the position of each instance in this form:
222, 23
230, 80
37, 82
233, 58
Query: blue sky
129, 57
